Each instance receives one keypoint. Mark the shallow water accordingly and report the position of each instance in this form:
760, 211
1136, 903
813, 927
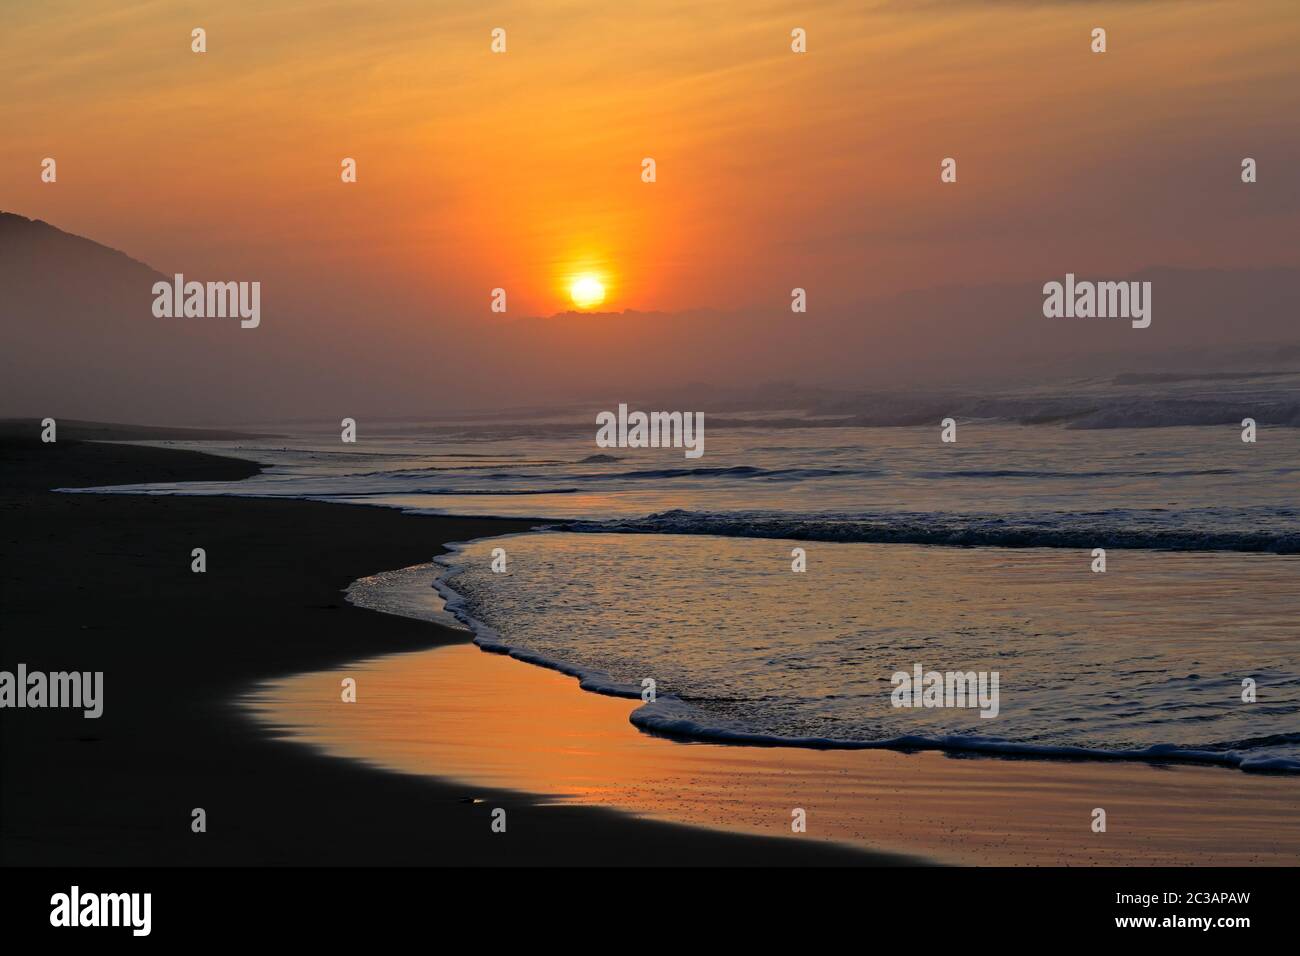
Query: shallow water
1148, 657
695, 590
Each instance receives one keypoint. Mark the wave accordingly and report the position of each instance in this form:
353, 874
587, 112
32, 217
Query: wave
730, 471
679, 719
1115, 529
1023, 473
674, 717
1169, 413
426, 470
450, 491
1277, 407
745, 472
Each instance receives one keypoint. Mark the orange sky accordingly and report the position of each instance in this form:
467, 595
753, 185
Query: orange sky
774, 170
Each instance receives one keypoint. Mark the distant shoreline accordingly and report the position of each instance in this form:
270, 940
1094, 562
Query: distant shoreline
71, 429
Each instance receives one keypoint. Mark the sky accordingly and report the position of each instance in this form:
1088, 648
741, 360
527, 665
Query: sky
519, 170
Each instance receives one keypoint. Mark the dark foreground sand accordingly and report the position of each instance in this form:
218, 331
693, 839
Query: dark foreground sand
103, 582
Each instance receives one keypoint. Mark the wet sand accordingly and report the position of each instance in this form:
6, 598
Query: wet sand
489, 720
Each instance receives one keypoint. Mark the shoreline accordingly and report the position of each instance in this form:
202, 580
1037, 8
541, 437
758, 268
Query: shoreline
688, 730
502, 721
1004, 811
103, 582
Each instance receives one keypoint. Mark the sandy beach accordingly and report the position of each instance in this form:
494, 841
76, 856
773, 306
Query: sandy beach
222, 693
102, 582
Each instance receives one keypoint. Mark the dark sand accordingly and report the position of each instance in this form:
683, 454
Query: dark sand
103, 582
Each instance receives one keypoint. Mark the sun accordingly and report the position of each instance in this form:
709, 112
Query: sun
586, 291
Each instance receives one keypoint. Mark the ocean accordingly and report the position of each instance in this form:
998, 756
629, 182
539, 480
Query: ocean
972, 556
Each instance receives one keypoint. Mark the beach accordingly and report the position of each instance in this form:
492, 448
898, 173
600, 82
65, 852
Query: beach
103, 582
222, 692
478, 717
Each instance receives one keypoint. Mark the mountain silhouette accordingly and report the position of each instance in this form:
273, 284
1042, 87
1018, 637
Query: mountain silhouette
78, 337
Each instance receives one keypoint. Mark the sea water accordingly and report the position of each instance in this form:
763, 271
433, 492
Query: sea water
977, 555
